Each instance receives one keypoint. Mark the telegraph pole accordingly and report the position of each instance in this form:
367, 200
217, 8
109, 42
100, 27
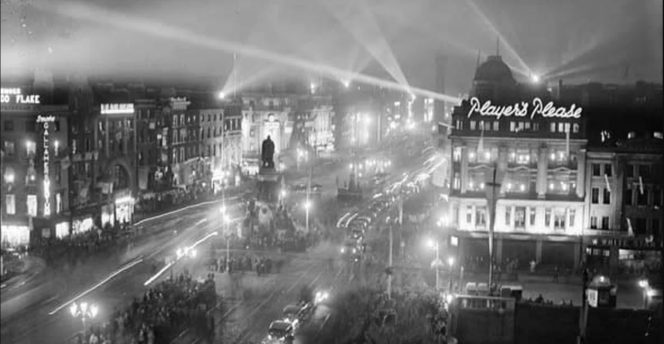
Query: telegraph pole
492, 199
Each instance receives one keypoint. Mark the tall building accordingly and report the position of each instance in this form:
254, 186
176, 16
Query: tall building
35, 180
537, 150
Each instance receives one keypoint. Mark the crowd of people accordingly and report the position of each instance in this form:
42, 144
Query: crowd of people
246, 262
78, 248
164, 312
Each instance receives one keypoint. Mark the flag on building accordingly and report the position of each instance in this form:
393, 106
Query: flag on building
641, 184
630, 231
608, 185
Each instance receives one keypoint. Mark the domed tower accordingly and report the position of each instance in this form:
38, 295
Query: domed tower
494, 81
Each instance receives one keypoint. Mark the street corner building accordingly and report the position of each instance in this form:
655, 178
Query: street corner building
35, 175
570, 186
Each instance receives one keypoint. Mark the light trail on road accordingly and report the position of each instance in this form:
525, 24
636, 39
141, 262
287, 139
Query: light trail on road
126, 267
160, 272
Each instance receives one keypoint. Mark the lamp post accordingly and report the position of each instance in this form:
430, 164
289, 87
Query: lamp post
492, 198
437, 262
225, 220
645, 286
84, 311
307, 205
450, 263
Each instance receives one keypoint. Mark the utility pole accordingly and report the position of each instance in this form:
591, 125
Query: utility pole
492, 199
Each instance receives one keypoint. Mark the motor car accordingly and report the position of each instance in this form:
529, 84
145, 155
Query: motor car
351, 250
280, 331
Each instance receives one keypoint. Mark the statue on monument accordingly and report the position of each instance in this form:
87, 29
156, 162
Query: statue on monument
267, 153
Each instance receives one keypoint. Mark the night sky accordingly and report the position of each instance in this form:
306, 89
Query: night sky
579, 41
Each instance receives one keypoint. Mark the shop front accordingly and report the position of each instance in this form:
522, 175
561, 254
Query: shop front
15, 233
124, 207
82, 225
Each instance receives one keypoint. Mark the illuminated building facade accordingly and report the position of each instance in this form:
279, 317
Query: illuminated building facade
35, 180
221, 143
538, 152
263, 115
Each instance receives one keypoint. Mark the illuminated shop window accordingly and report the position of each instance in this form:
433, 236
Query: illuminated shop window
559, 219
508, 216
469, 214
547, 217
456, 155
532, 215
572, 215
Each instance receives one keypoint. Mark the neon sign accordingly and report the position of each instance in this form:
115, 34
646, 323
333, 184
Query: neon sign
15, 96
46, 159
521, 109
117, 109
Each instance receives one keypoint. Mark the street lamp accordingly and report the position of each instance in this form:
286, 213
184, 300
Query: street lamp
645, 287
437, 262
84, 311
307, 205
225, 219
450, 263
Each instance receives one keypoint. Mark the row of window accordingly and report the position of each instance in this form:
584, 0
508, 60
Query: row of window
562, 217
31, 204
605, 222
606, 196
520, 156
597, 169
30, 126
233, 123
640, 196
519, 126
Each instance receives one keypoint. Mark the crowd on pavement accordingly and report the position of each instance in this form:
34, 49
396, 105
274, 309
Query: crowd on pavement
164, 312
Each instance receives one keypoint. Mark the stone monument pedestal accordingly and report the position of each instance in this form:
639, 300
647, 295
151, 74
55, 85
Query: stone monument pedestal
268, 184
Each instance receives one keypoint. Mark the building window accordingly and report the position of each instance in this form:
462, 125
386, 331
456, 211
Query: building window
608, 171
480, 217
10, 204
657, 197
593, 222
9, 125
595, 196
575, 128
520, 217
473, 124
642, 197
561, 127
459, 124
512, 126
595, 169
629, 171
495, 126
9, 147
535, 126
30, 148
456, 184
607, 196
572, 215
605, 222
32, 205
553, 127
469, 214
532, 215
559, 219
508, 216
547, 217
628, 197
640, 226
58, 203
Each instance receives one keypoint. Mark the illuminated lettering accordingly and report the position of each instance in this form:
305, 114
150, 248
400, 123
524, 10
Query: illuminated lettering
15, 96
46, 160
117, 109
548, 110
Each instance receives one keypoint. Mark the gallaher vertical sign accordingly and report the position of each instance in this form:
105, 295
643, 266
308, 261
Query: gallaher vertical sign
46, 120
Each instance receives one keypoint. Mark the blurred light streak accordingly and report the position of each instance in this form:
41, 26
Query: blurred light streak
126, 267
157, 274
157, 29
523, 69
